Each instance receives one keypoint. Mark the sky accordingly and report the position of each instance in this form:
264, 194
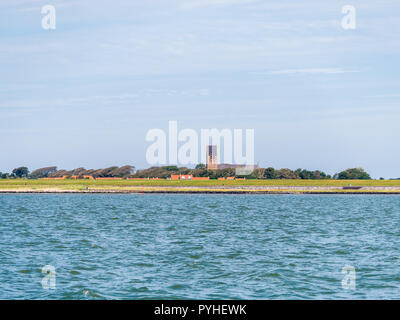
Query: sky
318, 96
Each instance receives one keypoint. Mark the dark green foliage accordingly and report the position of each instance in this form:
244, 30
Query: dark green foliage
199, 171
21, 172
4, 175
353, 174
270, 173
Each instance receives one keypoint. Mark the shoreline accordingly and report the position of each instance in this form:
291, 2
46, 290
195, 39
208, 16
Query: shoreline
209, 190
200, 187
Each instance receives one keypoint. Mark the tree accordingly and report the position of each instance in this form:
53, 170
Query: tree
223, 173
122, 172
286, 174
3, 175
21, 172
160, 172
43, 172
353, 174
200, 166
104, 173
321, 175
306, 174
78, 172
258, 173
170, 168
201, 172
58, 174
270, 173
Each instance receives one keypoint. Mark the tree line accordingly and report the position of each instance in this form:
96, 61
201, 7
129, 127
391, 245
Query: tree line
200, 170
260, 173
52, 172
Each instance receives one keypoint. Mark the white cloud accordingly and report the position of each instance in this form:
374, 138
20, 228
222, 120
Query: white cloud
379, 96
308, 71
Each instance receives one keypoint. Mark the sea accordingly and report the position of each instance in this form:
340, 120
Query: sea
199, 246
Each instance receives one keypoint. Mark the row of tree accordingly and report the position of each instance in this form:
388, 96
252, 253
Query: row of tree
21, 172
259, 173
52, 172
199, 171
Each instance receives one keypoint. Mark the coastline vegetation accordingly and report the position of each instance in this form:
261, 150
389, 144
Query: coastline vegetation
157, 180
165, 172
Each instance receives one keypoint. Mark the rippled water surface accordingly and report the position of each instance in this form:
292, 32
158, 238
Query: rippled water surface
199, 246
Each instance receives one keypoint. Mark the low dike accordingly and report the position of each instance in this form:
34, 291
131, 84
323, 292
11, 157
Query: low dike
215, 190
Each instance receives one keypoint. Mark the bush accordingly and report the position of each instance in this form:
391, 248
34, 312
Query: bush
353, 174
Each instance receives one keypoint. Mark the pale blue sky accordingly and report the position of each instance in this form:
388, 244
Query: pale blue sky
85, 94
